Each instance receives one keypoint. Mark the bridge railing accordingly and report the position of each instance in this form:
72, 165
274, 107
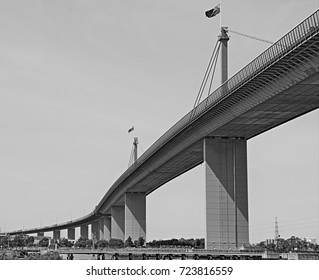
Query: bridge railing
295, 37
286, 44
301, 33
305, 30
63, 225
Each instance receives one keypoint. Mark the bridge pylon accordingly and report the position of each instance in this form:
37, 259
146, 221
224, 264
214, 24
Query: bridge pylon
105, 227
129, 220
84, 231
135, 215
223, 38
117, 222
226, 192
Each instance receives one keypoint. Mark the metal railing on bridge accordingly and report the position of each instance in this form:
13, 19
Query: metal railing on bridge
308, 28
297, 36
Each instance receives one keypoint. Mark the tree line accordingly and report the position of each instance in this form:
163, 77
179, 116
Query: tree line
198, 243
291, 244
20, 240
280, 245
16, 255
23, 240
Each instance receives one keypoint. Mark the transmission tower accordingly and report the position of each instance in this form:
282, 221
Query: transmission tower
276, 229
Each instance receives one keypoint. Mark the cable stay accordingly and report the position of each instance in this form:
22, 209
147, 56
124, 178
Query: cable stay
212, 61
249, 36
210, 71
208, 74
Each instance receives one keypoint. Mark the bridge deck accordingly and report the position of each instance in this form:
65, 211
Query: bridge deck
279, 85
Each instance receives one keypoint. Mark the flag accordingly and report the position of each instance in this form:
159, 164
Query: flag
131, 129
213, 12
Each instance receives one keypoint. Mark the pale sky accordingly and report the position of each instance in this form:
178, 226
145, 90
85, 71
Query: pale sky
75, 75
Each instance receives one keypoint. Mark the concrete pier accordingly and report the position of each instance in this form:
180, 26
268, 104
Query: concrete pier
135, 215
105, 228
84, 231
226, 193
71, 233
95, 231
117, 222
56, 234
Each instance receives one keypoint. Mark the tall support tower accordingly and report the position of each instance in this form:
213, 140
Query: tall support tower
226, 180
135, 143
223, 38
133, 156
131, 219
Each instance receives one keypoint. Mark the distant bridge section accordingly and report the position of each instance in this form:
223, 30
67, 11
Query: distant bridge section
279, 85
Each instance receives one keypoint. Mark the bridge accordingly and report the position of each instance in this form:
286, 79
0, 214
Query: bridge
281, 84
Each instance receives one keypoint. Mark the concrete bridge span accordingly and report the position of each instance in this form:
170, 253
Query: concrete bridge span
279, 85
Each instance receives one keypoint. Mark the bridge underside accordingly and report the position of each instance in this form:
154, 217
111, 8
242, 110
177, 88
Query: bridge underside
285, 90
289, 104
280, 85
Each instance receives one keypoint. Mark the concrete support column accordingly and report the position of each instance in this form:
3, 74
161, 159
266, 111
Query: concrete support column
117, 222
135, 215
71, 233
95, 231
40, 233
105, 228
226, 193
84, 232
56, 234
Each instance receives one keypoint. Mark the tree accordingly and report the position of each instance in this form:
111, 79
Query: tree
173, 242
19, 240
116, 243
4, 241
198, 243
81, 242
29, 240
64, 242
102, 243
140, 242
44, 242
128, 242
89, 243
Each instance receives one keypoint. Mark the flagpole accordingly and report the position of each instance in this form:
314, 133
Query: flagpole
220, 19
